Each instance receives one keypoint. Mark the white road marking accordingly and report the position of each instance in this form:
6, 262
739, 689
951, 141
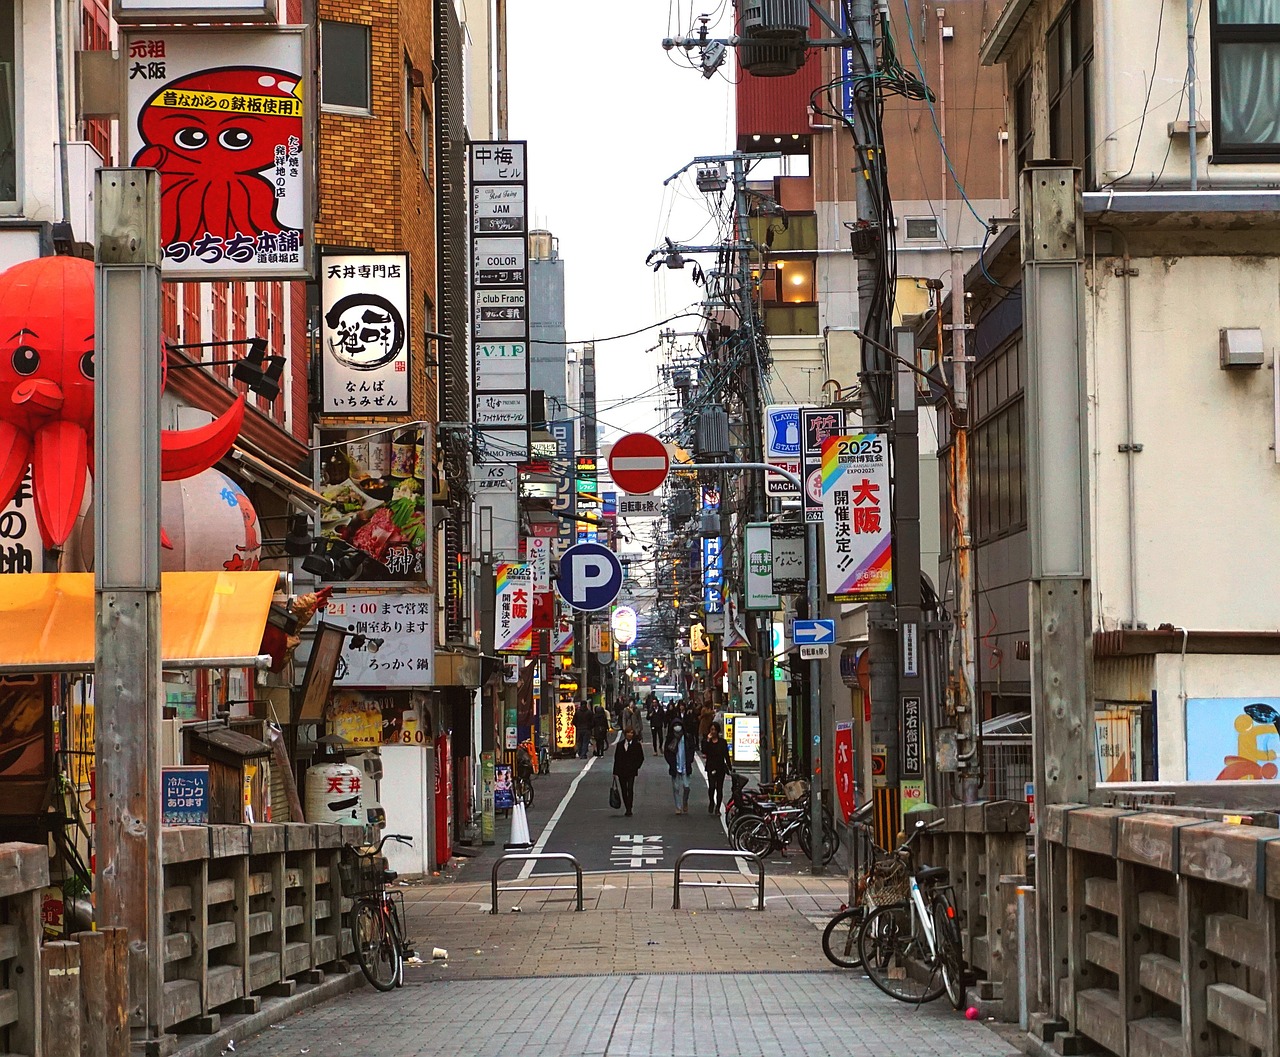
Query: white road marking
551, 823
635, 850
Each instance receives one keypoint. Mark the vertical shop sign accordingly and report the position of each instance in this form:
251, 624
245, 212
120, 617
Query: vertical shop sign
844, 768
782, 447
499, 300
912, 737
855, 516
712, 556
758, 551
21, 549
364, 328
513, 608
227, 116
816, 425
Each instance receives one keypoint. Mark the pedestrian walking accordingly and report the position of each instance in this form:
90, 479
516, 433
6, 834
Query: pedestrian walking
706, 716
627, 759
582, 724
657, 717
715, 750
600, 727
678, 751
631, 719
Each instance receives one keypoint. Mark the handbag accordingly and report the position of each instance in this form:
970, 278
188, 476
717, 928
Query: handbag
615, 794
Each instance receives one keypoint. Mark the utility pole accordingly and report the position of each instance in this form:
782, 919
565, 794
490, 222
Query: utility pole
963, 681
129, 882
1058, 511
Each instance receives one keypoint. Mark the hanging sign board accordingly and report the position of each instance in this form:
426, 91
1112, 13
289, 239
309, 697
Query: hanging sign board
227, 116
151, 12
782, 447
513, 608
364, 327
855, 516
758, 550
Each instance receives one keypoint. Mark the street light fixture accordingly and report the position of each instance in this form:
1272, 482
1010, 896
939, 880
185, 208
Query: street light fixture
260, 372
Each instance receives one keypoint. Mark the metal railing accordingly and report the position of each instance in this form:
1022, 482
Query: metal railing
540, 856
715, 853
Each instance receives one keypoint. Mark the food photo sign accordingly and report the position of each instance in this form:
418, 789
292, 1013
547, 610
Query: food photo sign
227, 117
374, 480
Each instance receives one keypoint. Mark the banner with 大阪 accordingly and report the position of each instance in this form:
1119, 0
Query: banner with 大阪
855, 516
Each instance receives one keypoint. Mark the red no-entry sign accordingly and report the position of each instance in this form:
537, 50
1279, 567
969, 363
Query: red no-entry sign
638, 463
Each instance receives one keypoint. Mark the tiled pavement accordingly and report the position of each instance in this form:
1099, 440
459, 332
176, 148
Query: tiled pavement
627, 977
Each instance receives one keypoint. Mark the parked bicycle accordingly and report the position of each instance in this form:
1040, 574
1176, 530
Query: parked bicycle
911, 950
376, 930
771, 831
879, 878
522, 779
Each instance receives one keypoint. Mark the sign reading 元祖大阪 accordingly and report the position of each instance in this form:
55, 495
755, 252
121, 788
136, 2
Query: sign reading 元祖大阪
227, 117
364, 319
499, 301
855, 516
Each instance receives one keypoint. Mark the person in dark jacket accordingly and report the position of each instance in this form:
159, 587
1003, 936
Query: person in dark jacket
715, 750
627, 758
657, 717
682, 743
582, 723
600, 727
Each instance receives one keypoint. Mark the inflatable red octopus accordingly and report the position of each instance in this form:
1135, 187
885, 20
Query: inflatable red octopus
214, 135
46, 395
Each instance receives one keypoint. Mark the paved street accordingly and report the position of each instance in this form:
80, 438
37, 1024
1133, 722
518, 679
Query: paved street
571, 814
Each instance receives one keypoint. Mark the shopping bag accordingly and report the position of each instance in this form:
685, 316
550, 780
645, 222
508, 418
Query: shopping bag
615, 794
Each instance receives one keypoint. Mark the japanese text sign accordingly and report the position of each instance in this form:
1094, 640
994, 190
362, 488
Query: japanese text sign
513, 607
184, 793
816, 425
390, 640
856, 516
364, 333
21, 550
227, 116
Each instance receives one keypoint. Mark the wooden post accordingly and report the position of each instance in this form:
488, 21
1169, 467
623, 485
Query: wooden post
93, 993
60, 977
116, 991
24, 870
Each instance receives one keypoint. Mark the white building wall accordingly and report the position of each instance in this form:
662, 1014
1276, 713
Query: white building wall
1206, 483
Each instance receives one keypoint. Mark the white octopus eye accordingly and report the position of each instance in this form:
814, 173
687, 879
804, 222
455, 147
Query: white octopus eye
191, 138
235, 138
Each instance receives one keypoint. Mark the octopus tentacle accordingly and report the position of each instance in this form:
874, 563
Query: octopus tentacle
60, 462
15, 453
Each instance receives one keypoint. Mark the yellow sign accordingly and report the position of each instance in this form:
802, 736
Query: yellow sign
231, 103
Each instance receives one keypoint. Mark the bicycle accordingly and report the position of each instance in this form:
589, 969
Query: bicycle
379, 938
881, 881
911, 950
771, 831
544, 760
522, 779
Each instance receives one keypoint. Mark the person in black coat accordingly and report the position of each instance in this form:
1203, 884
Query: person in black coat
582, 723
627, 758
600, 727
715, 750
657, 717
679, 751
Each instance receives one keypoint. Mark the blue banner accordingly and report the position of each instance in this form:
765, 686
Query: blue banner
184, 794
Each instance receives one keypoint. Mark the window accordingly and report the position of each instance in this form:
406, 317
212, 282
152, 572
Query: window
408, 97
998, 449
1024, 124
1246, 79
789, 281
922, 228
424, 122
1069, 63
344, 64
8, 104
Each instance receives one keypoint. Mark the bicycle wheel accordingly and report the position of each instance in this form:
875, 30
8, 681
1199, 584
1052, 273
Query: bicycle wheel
895, 954
526, 792
950, 956
840, 938
830, 841
754, 834
377, 950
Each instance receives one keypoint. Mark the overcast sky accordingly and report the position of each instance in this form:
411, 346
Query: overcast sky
609, 116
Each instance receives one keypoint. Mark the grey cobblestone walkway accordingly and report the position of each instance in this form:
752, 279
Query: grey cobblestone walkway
744, 1015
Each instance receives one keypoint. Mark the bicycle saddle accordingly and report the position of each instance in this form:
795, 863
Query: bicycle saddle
388, 876
932, 873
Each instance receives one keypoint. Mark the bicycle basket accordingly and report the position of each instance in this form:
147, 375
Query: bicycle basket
360, 873
795, 790
888, 882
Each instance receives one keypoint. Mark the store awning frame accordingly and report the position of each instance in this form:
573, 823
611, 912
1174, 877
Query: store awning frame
208, 620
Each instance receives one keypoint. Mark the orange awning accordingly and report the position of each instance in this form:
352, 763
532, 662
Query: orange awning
207, 619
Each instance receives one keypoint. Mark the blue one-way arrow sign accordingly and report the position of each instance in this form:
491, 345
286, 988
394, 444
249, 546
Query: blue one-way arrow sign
815, 631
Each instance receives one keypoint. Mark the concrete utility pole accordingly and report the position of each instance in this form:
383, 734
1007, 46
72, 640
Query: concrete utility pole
127, 686
1058, 520
963, 681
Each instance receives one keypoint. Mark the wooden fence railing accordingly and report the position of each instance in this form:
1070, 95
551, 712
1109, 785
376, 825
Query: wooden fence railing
24, 871
984, 846
1163, 932
249, 911
85, 995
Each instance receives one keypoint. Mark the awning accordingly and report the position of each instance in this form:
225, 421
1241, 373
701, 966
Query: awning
207, 620
294, 489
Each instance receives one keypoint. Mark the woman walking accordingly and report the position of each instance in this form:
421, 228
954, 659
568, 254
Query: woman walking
715, 750
679, 751
627, 758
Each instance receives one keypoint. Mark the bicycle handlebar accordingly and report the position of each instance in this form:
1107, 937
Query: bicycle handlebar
920, 828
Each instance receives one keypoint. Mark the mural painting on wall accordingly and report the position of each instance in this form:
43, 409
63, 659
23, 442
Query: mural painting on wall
1233, 739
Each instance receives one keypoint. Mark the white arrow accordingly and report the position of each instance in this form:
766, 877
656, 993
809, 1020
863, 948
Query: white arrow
812, 633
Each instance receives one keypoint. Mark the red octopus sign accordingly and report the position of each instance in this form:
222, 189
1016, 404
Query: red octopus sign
221, 116
46, 395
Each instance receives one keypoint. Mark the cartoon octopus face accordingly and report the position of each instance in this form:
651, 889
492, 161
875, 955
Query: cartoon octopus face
212, 134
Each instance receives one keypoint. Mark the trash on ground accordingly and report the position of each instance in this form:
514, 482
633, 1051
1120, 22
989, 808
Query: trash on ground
438, 953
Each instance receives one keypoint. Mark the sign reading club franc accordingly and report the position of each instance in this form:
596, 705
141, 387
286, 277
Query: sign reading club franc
590, 577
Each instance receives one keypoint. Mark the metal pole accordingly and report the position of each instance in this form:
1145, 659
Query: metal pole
816, 865
127, 685
968, 723
1191, 93
500, 20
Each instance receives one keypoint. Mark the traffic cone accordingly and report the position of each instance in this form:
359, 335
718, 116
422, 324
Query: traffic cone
519, 829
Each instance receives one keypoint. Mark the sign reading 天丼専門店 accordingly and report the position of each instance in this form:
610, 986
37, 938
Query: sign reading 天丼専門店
364, 333
227, 117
